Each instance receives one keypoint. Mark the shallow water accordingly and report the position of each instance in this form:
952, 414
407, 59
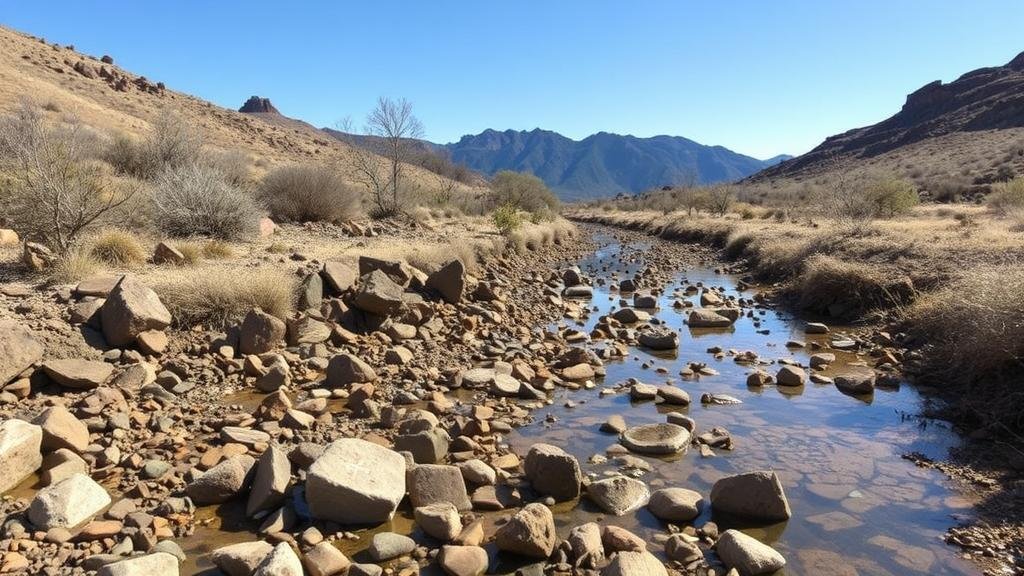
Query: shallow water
858, 508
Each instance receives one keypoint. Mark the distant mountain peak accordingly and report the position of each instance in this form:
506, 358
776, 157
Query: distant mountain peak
258, 105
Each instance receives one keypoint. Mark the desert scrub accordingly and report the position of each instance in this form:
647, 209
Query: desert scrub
523, 192
116, 247
195, 200
216, 297
506, 218
1006, 197
971, 334
303, 193
848, 290
171, 144
74, 265
217, 250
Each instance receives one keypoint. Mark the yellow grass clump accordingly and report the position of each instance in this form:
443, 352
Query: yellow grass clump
219, 296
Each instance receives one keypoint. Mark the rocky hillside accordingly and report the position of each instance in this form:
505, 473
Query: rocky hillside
603, 164
974, 123
110, 99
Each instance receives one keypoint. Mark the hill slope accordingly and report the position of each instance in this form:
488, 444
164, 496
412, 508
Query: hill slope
603, 164
974, 123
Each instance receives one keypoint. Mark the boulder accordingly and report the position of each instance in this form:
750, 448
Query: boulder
356, 482
282, 561
530, 532
164, 253
99, 285
449, 281
631, 315
311, 292
346, 369
68, 503
340, 274
388, 545
662, 438
20, 454
36, 257
705, 318
155, 564
855, 383
553, 472
618, 495
240, 559
440, 520
427, 447
659, 338
791, 376
673, 395
747, 555
754, 495
434, 483
463, 560
759, 378
260, 332
77, 373
270, 482
585, 542
222, 482
307, 330
325, 560
18, 350
62, 430
378, 294
130, 309
675, 505
400, 272
634, 564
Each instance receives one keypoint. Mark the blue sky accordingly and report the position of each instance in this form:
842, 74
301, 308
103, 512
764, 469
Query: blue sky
758, 77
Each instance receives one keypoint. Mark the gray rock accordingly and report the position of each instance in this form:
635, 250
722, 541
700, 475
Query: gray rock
156, 564
240, 559
618, 495
311, 292
426, 447
356, 482
634, 564
440, 520
345, 369
222, 482
747, 555
659, 338
435, 483
754, 495
68, 503
706, 318
324, 559
270, 482
791, 376
675, 505
260, 333
282, 561
389, 545
855, 383
378, 294
449, 281
553, 472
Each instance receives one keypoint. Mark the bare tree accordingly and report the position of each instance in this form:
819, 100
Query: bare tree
390, 132
53, 190
720, 198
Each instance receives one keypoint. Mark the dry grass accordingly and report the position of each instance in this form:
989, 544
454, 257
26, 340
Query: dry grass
192, 251
531, 237
116, 247
217, 250
74, 266
218, 296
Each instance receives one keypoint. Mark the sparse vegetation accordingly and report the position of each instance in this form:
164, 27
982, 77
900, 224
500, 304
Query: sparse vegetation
506, 218
74, 265
1007, 197
524, 192
303, 193
195, 200
219, 296
117, 247
170, 144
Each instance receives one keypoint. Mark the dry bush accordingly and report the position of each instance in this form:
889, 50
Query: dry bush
533, 237
973, 330
845, 289
1006, 197
303, 193
523, 192
217, 250
234, 165
195, 200
172, 143
191, 251
50, 189
116, 247
74, 265
217, 297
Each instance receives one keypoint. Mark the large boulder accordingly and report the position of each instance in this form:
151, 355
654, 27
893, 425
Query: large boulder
754, 495
675, 505
747, 555
355, 482
18, 350
270, 482
345, 369
68, 503
78, 373
618, 495
240, 559
222, 482
340, 274
449, 281
155, 564
260, 332
435, 483
791, 376
399, 272
311, 292
553, 472
131, 309
20, 454
378, 294
634, 564
62, 430
530, 532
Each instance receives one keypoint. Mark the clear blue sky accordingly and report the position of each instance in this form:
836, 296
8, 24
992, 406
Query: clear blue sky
760, 77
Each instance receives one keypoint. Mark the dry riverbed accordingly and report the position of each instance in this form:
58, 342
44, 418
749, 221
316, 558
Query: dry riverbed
610, 404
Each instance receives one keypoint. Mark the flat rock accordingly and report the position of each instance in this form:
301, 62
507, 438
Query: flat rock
155, 564
388, 545
240, 559
618, 495
77, 373
662, 438
356, 482
675, 505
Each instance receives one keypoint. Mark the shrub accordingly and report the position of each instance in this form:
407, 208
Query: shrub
891, 197
506, 218
171, 143
51, 191
221, 296
117, 248
191, 251
74, 265
719, 199
1006, 196
195, 200
308, 194
524, 192
234, 166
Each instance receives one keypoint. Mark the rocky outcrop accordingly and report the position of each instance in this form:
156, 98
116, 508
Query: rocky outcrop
258, 105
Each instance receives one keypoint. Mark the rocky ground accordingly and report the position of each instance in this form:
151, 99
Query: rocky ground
391, 390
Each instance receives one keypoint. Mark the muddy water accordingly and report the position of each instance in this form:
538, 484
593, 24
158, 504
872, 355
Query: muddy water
858, 508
